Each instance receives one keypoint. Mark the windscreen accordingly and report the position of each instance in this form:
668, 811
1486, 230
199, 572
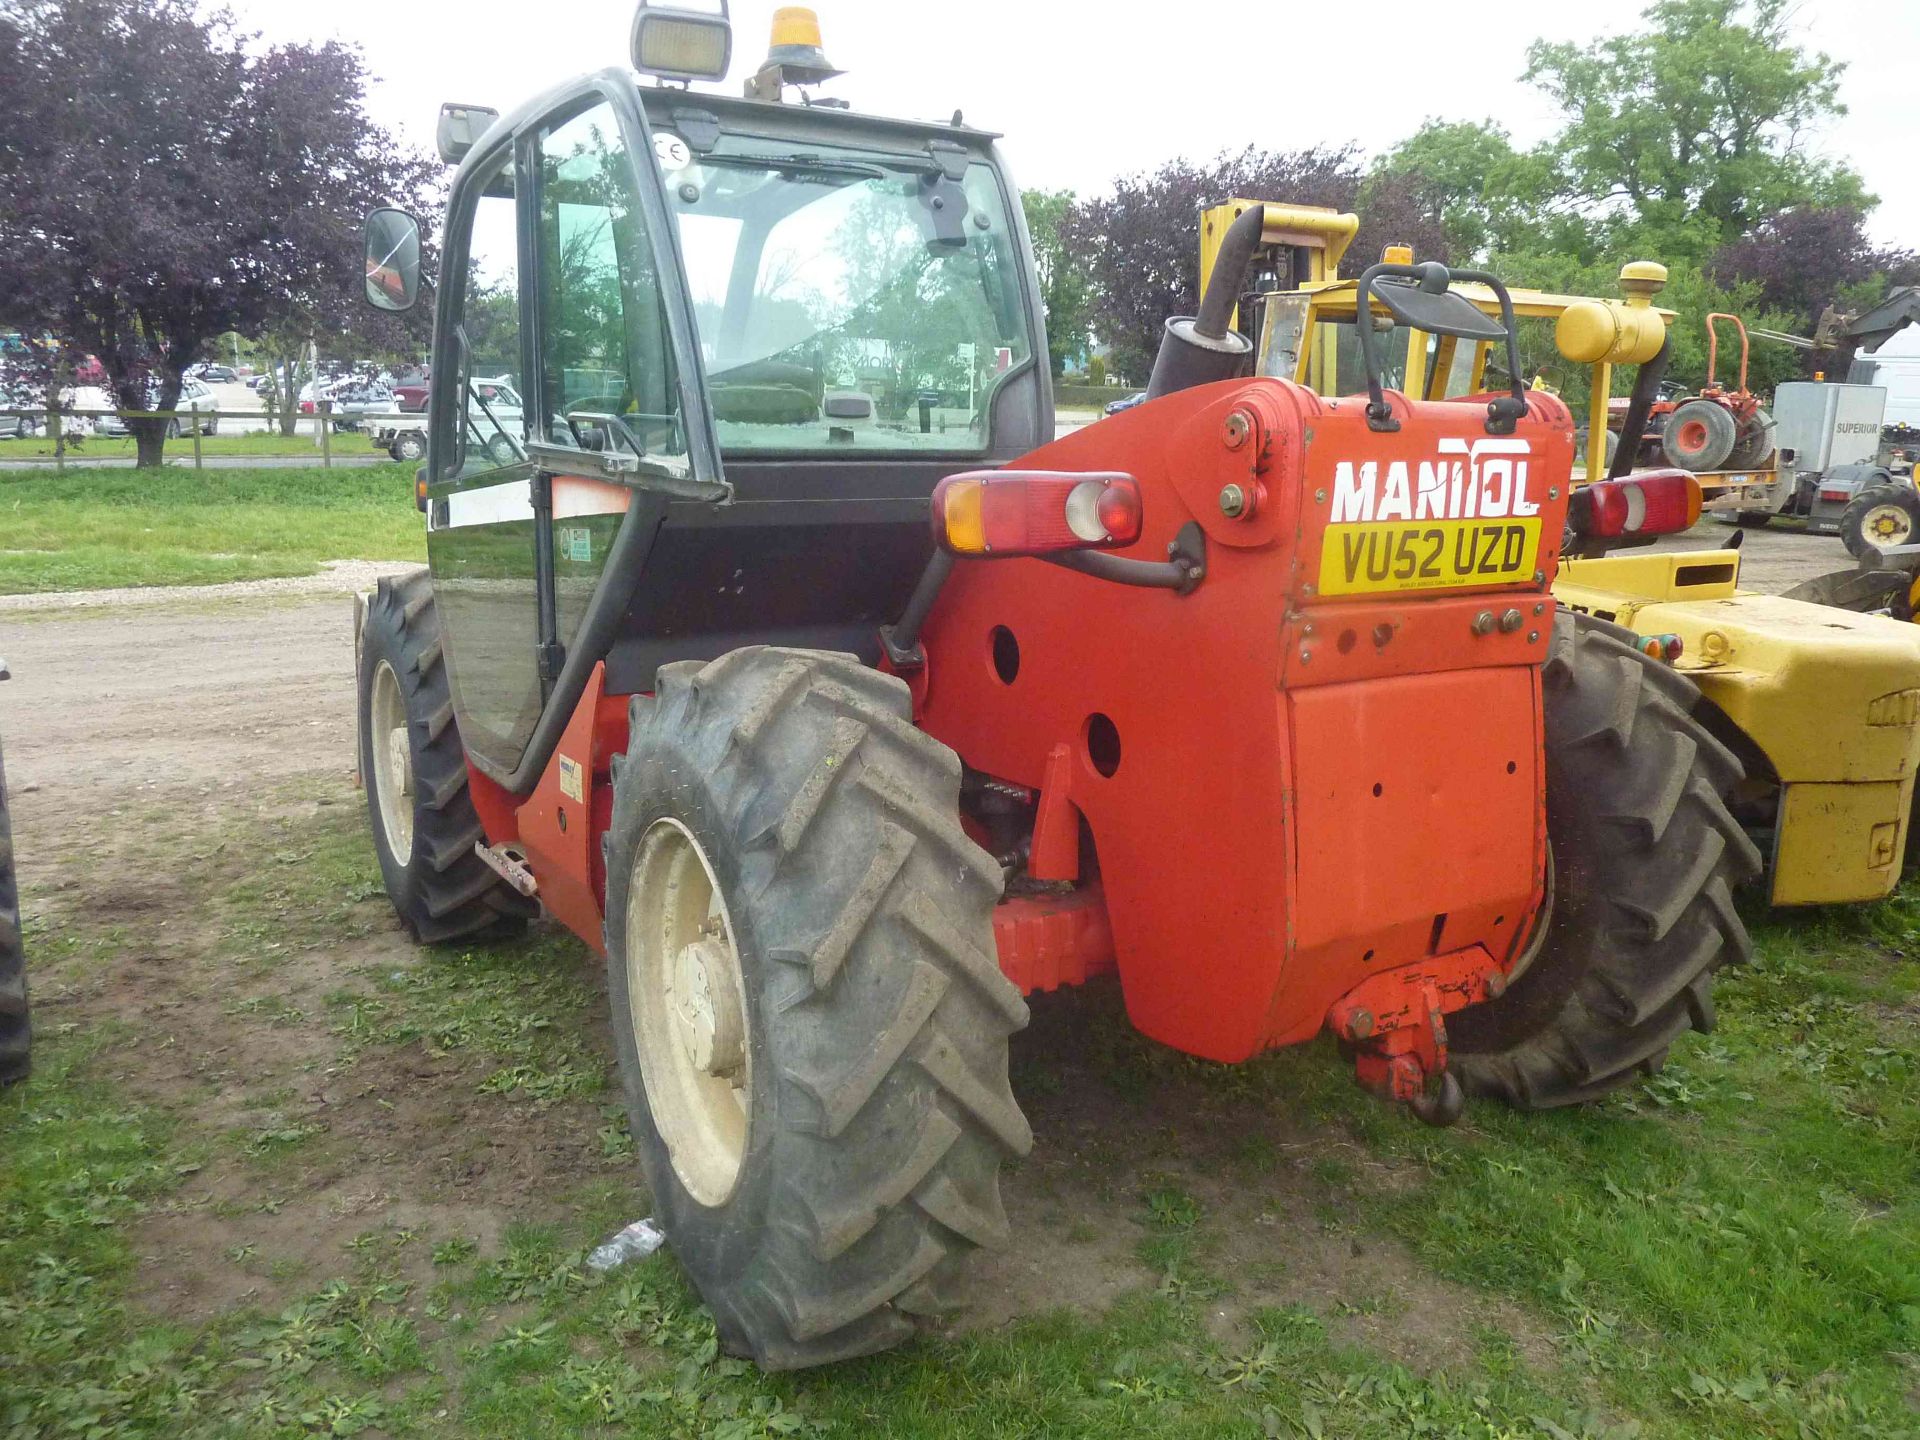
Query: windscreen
847, 299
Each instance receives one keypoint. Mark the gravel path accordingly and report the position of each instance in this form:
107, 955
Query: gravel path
336, 577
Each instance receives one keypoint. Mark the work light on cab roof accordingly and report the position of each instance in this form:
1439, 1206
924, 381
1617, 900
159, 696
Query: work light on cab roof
674, 42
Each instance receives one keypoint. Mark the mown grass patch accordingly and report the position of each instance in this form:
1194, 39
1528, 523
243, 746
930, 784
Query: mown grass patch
91, 448
90, 528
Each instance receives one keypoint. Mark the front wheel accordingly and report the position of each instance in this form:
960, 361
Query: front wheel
810, 1021
1880, 516
415, 771
1644, 859
409, 445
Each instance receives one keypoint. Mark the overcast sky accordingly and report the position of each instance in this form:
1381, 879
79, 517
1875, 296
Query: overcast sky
1084, 92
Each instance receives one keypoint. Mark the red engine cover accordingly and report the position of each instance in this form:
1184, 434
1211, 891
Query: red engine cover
1322, 763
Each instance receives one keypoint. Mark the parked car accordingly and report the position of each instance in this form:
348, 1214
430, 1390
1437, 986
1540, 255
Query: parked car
214, 374
21, 426
354, 400
194, 397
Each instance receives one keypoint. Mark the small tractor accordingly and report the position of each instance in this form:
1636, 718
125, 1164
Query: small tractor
1719, 428
15, 1038
1822, 707
789, 660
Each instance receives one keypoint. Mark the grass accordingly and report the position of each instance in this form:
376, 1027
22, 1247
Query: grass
91, 528
109, 447
1731, 1249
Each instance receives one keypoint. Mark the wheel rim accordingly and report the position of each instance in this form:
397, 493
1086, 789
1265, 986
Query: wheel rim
1887, 525
688, 1004
392, 761
1693, 437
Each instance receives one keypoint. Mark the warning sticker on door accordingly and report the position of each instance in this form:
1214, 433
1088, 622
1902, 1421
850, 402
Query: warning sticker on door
573, 780
575, 544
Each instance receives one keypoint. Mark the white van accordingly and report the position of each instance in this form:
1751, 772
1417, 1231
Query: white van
1895, 367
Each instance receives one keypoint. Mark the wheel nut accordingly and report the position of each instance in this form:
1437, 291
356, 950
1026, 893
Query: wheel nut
1510, 622
1233, 501
1483, 623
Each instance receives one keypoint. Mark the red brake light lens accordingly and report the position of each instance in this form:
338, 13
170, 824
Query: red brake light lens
1660, 502
1035, 512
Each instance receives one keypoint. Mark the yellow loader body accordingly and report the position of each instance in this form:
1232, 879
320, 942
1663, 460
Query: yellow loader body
1829, 699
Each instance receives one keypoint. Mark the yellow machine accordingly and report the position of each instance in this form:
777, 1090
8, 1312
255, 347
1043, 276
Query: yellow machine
1822, 705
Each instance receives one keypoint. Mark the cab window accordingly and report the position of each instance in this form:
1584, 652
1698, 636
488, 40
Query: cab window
490, 432
607, 375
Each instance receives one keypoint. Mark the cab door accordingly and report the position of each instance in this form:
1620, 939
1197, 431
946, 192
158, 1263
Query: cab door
480, 516
566, 410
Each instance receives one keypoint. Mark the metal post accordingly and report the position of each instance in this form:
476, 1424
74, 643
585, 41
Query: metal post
55, 421
196, 439
324, 412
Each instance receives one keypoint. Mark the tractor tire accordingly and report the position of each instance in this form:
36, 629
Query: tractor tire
1755, 444
1878, 516
1645, 860
1699, 436
415, 771
15, 1038
823, 1173
1753, 519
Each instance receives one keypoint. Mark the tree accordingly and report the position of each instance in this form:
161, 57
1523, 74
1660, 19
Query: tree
1466, 180
170, 179
1066, 289
1141, 243
1805, 259
1690, 130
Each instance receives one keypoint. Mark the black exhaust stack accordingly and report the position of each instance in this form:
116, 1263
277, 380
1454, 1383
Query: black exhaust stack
1646, 388
1200, 349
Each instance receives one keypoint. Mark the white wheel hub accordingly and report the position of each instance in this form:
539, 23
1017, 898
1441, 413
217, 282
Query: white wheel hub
708, 1017
1888, 525
392, 749
687, 1000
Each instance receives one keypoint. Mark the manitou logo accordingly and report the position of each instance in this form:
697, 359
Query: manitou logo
1486, 479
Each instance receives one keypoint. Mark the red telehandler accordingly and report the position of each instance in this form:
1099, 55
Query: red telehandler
783, 655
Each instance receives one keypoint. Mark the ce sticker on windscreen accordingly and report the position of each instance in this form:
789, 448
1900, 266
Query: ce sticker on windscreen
1461, 518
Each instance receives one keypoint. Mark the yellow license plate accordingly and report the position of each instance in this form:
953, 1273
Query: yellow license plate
1427, 555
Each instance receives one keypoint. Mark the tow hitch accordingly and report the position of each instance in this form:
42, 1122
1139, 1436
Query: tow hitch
1396, 1024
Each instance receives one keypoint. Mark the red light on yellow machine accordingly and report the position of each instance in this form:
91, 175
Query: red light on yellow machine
1660, 502
1662, 647
1034, 512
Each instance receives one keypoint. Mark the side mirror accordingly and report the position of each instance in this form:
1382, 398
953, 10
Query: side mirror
393, 260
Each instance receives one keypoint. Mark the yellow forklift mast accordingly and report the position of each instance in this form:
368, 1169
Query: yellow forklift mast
1822, 704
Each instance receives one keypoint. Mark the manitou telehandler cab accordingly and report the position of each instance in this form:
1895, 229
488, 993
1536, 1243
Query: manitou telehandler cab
791, 662
1823, 708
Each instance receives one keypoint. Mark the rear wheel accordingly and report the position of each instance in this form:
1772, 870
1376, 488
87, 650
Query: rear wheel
1699, 436
15, 1039
409, 445
1645, 859
810, 1021
1879, 516
1755, 443
415, 771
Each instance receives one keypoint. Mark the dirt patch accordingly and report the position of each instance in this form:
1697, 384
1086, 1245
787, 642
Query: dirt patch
1270, 1223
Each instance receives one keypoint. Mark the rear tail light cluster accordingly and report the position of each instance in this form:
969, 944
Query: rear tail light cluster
1034, 512
1660, 502
1662, 647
